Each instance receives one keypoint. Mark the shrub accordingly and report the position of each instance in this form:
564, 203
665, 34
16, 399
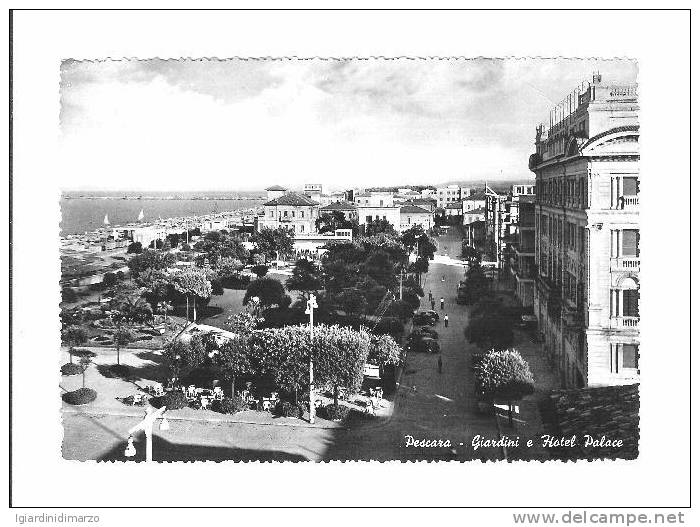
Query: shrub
80, 396
230, 405
503, 375
236, 281
260, 270
174, 400
70, 368
333, 412
129, 400
289, 409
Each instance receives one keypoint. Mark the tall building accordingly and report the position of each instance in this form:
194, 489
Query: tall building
523, 267
586, 294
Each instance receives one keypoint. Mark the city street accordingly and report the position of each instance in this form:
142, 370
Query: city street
442, 406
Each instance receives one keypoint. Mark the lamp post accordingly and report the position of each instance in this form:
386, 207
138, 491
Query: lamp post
310, 306
147, 426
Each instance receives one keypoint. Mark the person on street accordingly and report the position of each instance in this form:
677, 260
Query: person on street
442, 303
430, 296
440, 364
443, 278
432, 304
446, 320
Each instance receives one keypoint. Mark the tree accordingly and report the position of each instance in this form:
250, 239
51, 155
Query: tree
339, 355
330, 222
503, 375
351, 301
134, 248
270, 242
182, 357
150, 259
74, 336
193, 283
379, 227
380, 267
128, 305
476, 284
122, 337
109, 280
260, 270
383, 350
469, 253
232, 359
229, 267
306, 278
283, 353
165, 307
270, 292
85, 362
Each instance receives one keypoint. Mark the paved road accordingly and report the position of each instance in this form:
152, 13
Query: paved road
442, 406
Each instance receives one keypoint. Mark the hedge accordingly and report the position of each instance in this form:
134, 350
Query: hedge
80, 396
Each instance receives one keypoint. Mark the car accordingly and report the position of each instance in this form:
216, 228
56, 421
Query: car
422, 344
428, 332
421, 319
426, 318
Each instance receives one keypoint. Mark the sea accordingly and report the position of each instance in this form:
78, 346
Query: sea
85, 211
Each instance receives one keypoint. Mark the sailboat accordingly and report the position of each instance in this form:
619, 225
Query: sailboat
141, 215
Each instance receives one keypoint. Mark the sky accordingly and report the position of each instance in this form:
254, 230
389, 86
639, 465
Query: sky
188, 125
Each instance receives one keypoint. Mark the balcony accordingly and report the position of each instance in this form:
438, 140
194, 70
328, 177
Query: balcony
624, 322
626, 264
285, 219
629, 201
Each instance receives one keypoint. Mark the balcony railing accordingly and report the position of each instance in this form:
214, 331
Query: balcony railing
628, 201
630, 264
624, 322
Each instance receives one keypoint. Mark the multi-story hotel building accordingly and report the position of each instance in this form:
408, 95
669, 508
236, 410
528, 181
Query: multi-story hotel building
293, 211
587, 235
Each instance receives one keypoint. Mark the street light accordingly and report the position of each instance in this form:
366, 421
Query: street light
310, 306
147, 426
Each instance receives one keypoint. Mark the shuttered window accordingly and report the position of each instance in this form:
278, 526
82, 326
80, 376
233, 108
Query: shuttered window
629, 356
630, 303
630, 242
630, 186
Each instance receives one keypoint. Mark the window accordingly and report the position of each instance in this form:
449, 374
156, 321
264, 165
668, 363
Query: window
630, 303
368, 219
293, 214
285, 213
630, 356
302, 214
384, 218
630, 186
630, 242
272, 214
301, 228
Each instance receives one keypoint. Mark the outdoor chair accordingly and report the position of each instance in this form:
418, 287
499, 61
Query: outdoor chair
267, 405
204, 401
191, 391
218, 393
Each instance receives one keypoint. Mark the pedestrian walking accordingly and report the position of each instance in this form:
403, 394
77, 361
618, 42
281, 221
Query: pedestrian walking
442, 303
430, 296
443, 278
432, 304
446, 320
440, 364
